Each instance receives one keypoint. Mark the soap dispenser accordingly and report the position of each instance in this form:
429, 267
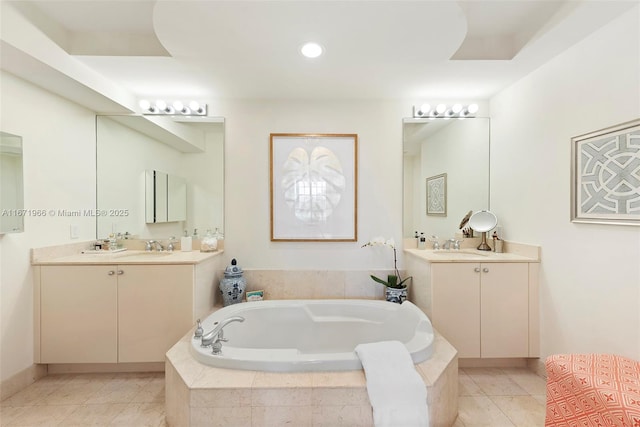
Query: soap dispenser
185, 242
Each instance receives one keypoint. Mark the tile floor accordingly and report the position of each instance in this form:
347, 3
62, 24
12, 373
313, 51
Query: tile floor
488, 397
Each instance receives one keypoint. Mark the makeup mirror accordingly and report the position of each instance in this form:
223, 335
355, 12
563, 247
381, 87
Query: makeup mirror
482, 222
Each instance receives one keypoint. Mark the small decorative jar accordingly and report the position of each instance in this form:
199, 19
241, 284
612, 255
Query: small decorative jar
209, 242
233, 285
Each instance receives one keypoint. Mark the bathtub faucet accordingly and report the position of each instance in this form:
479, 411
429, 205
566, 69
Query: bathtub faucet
215, 337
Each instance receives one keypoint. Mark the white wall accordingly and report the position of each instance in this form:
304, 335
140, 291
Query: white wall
248, 125
590, 281
59, 173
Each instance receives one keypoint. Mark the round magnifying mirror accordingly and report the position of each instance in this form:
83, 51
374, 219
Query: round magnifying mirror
483, 221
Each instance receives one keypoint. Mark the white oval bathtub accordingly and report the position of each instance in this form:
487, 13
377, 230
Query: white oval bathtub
312, 335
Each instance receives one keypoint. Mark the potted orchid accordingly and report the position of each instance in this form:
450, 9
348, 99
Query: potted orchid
395, 286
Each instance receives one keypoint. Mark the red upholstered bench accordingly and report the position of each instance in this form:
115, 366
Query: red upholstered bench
592, 390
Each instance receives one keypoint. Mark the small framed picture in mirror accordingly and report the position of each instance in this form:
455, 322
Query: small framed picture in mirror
437, 195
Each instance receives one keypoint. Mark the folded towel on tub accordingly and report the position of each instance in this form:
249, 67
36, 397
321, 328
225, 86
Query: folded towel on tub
396, 390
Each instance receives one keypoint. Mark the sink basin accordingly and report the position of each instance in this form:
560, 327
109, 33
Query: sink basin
459, 254
144, 254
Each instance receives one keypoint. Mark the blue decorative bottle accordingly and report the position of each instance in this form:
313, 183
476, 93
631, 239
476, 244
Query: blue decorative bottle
233, 285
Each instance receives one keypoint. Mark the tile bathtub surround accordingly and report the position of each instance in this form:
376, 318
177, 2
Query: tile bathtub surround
199, 395
315, 284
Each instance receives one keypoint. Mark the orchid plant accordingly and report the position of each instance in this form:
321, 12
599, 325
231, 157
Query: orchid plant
393, 280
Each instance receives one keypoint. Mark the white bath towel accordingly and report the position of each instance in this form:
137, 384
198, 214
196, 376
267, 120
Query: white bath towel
396, 391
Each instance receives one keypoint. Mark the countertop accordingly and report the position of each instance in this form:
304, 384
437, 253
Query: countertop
129, 257
468, 255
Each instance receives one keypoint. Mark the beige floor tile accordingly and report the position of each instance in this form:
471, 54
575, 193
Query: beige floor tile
529, 381
10, 413
523, 411
480, 411
32, 395
466, 386
494, 382
140, 415
93, 415
42, 416
151, 392
72, 393
119, 390
541, 398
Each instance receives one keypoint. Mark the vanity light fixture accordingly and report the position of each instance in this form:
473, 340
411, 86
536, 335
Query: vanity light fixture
443, 111
177, 108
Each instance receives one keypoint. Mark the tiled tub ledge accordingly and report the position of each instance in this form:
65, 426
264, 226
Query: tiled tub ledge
201, 395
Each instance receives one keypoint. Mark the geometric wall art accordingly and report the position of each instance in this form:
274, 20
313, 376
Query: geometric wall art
437, 195
605, 169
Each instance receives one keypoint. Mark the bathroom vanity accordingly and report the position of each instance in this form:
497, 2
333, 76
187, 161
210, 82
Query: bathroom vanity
484, 303
119, 308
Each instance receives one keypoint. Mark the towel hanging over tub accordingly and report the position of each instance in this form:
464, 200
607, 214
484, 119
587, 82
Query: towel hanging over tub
396, 390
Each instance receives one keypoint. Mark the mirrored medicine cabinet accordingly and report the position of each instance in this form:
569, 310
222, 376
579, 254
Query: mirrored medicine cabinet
11, 184
165, 197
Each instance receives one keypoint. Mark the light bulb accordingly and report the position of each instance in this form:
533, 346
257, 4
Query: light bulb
144, 104
441, 108
456, 108
179, 106
161, 104
473, 108
424, 109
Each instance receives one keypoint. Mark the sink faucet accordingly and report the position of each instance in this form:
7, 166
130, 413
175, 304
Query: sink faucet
448, 243
215, 337
149, 246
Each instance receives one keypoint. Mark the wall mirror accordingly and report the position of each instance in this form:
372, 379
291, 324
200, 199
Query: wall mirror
446, 173
125, 156
11, 184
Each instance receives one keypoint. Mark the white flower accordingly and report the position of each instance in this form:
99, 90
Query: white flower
381, 241
393, 280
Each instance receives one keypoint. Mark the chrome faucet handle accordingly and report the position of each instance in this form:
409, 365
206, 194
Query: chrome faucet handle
148, 244
456, 245
170, 246
199, 331
436, 245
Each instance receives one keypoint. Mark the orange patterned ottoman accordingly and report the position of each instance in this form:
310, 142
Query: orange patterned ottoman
592, 390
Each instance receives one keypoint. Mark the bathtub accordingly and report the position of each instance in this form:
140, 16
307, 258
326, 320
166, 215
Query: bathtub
312, 335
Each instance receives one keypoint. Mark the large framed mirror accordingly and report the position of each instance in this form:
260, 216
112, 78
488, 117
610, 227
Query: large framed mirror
125, 156
447, 159
11, 184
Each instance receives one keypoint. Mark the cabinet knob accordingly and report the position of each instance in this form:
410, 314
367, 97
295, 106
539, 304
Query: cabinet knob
485, 270
111, 273
120, 272
477, 269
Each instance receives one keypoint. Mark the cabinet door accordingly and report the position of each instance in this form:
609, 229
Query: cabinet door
154, 310
505, 310
456, 305
78, 314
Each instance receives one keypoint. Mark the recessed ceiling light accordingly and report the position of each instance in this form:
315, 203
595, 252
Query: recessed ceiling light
311, 50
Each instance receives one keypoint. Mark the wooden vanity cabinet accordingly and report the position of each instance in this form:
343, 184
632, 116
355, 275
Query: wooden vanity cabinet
483, 309
113, 313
